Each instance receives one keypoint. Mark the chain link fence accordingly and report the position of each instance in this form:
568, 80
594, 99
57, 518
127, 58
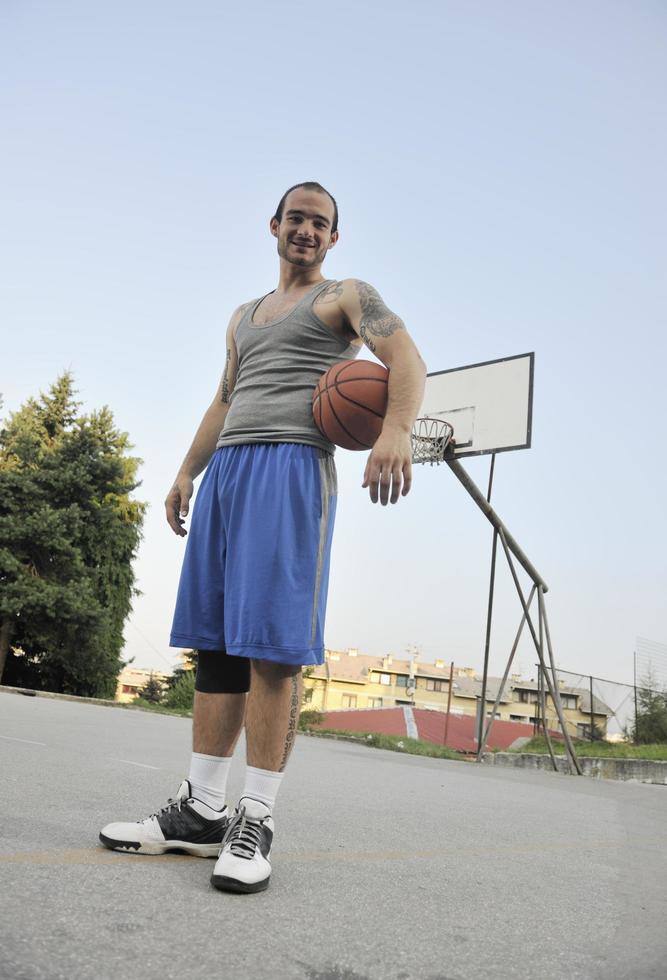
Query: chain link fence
593, 708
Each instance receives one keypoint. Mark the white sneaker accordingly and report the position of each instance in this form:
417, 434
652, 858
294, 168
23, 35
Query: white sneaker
243, 865
184, 824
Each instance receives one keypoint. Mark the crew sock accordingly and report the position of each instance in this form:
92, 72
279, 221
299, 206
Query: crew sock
208, 778
262, 785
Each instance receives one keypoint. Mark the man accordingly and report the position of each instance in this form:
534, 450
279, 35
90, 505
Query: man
252, 594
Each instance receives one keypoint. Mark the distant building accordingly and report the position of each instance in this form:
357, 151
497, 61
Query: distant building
350, 679
132, 680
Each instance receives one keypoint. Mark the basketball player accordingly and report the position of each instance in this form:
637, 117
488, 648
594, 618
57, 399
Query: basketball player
253, 586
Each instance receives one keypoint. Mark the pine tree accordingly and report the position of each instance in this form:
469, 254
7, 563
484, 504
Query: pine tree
69, 531
651, 722
152, 691
181, 694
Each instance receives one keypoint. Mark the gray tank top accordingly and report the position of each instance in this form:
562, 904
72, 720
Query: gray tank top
280, 363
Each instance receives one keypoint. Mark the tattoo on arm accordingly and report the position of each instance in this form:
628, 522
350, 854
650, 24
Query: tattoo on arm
224, 396
293, 719
377, 320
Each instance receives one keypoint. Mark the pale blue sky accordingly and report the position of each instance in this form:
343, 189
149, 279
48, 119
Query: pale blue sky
500, 171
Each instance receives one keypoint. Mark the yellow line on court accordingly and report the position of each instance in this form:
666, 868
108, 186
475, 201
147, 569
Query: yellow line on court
99, 855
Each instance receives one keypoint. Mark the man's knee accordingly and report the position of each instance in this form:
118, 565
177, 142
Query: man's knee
218, 673
273, 672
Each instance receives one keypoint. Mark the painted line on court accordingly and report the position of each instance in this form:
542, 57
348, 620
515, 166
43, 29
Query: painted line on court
28, 741
142, 765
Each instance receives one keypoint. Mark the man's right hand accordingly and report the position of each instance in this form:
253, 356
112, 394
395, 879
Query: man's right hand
177, 504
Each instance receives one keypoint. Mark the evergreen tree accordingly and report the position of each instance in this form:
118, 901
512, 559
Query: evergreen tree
68, 534
651, 722
152, 691
182, 693
188, 667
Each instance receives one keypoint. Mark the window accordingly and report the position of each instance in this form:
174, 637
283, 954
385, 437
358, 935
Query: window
401, 680
527, 697
433, 685
518, 718
383, 679
375, 702
569, 700
349, 700
308, 695
583, 731
129, 689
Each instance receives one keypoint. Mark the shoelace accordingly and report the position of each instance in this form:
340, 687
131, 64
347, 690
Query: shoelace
243, 835
170, 806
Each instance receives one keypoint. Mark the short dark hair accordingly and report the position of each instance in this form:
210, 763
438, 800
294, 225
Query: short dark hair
308, 185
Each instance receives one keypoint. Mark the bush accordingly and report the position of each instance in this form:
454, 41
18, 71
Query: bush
311, 716
181, 695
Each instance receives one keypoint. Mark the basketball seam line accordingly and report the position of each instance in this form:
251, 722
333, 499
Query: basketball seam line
366, 408
353, 438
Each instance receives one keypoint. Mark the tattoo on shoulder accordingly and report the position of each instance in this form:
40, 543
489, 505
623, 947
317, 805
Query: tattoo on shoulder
224, 393
331, 294
376, 317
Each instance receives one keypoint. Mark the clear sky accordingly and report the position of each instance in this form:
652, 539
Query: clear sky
500, 171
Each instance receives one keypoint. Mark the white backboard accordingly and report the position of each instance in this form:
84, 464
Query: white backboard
490, 405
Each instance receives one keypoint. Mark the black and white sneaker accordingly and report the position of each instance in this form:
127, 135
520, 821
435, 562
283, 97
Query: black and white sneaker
243, 865
184, 824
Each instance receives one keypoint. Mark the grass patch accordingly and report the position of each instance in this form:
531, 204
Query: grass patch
607, 750
394, 743
159, 709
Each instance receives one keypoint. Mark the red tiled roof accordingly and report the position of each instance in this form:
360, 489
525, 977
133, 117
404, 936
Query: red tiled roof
430, 727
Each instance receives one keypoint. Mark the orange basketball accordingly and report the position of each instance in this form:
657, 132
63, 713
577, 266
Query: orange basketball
350, 402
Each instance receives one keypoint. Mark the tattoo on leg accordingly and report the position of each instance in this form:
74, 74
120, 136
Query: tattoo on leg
293, 719
376, 318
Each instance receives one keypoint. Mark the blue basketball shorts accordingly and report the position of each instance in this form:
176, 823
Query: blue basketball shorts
256, 568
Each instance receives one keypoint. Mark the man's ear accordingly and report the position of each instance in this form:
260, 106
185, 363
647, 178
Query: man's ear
333, 240
274, 227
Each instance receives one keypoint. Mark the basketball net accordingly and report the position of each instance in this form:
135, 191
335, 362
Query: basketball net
430, 439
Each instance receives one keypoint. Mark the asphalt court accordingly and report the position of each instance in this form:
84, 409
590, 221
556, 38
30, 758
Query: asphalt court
385, 865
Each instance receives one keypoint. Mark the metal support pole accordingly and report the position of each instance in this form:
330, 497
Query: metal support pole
489, 610
463, 477
542, 676
510, 545
449, 700
501, 689
634, 664
592, 738
555, 694
553, 687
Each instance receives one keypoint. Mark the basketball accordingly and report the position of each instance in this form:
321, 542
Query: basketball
350, 402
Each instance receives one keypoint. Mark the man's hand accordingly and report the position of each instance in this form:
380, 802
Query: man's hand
389, 465
177, 504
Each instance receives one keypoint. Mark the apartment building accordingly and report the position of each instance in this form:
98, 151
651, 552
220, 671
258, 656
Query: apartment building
132, 680
351, 679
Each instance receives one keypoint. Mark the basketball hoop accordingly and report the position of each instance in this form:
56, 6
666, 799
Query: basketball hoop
430, 439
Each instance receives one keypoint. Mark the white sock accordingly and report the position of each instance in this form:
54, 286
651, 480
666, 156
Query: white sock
262, 785
208, 778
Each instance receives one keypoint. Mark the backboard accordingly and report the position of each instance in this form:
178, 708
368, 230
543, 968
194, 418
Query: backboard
489, 405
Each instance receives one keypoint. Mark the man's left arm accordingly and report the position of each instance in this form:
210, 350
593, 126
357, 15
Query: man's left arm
388, 471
